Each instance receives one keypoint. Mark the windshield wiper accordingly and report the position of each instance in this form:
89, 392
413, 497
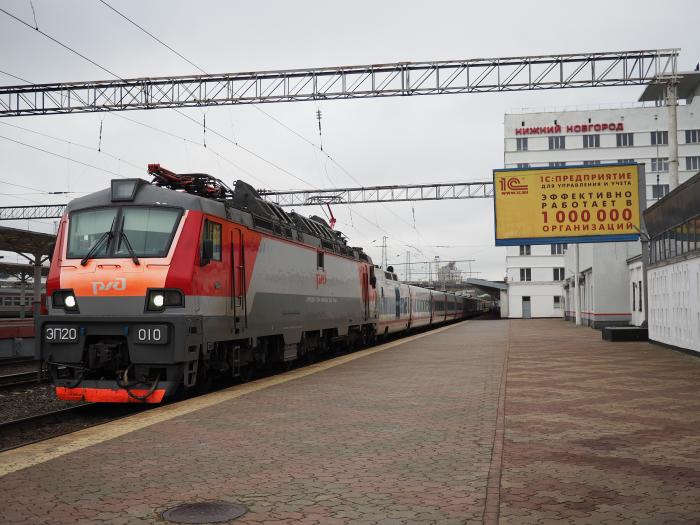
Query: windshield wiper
131, 251
122, 236
92, 251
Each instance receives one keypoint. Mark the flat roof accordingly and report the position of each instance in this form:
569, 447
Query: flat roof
483, 283
25, 241
17, 268
688, 83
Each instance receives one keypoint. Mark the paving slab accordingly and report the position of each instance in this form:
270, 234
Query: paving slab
397, 436
598, 432
521, 422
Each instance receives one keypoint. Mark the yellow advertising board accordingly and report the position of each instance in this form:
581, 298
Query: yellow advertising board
574, 204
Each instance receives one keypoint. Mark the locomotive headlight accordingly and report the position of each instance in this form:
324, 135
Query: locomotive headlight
158, 299
64, 299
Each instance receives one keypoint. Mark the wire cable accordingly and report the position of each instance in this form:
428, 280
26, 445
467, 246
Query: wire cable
61, 156
60, 43
72, 144
15, 76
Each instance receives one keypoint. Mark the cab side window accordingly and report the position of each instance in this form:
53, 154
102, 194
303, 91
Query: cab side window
212, 232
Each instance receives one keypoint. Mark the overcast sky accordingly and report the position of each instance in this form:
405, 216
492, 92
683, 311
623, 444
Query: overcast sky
378, 141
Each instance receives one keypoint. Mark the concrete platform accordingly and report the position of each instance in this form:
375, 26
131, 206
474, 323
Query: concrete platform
484, 421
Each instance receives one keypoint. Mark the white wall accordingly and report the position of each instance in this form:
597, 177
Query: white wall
674, 304
541, 299
638, 120
605, 295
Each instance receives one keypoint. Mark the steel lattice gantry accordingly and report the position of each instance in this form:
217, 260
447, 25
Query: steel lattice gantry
403, 193
379, 80
42, 211
419, 192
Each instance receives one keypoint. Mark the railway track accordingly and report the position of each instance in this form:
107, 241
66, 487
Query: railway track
21, 378
28, 430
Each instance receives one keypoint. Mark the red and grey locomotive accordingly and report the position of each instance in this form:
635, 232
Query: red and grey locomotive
159, 286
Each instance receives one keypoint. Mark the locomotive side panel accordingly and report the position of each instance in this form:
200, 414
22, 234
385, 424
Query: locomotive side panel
296, 288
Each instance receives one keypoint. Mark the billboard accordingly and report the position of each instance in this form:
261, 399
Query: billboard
573, 204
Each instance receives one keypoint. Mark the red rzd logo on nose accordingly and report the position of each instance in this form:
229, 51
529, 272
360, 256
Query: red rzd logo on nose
512, 185
117, 284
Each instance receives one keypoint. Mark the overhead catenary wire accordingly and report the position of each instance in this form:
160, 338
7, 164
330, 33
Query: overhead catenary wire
81, 55
237, 144
61, 156
73, 143
60, 43
15, 76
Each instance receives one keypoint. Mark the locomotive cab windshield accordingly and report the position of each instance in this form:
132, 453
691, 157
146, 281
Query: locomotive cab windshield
132, 231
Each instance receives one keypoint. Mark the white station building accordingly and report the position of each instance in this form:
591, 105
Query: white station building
540, 278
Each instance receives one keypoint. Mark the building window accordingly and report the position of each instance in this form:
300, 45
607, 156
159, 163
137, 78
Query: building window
625, 139
558, 274
521, 144
557, 164
558, 249
639, 287
591, 163
659, 190
692, 163
659, 137
557, 302
557, 142
591, 141
659, 164
523, 165
692, 136
525, 274
320, 263
625, 161
524, 249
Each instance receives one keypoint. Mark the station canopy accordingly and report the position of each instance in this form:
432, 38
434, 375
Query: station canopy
17, 269
24, 241
688, 83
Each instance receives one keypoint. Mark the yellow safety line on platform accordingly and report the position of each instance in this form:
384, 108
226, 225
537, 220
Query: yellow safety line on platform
30, 455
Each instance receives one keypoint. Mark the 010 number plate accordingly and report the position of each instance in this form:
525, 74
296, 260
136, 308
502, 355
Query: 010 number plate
151, 334
61, 334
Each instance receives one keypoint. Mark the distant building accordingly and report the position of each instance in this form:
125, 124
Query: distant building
449, 273
638, 133
534, 274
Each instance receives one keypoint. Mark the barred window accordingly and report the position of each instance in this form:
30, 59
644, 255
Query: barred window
659, 164
659, 190
625, 139
557, 142
692, 163
591, 141
659, 137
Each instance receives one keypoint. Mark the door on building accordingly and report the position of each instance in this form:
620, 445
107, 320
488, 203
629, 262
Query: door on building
527, 312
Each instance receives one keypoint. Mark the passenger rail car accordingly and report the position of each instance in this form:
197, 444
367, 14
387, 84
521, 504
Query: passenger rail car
156, 287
